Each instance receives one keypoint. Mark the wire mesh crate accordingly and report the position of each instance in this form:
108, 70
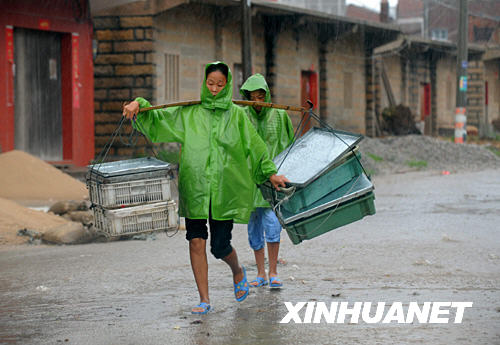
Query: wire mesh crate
133, 220
114, 195
130, 182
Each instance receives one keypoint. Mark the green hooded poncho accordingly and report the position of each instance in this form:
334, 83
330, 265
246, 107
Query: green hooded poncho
222, 156
273, 125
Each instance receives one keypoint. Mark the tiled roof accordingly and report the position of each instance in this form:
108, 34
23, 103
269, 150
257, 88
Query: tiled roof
362, 13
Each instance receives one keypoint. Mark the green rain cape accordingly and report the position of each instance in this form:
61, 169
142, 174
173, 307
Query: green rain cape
222, 155
273, 125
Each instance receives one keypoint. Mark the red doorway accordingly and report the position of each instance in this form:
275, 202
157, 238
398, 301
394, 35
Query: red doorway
47, 98
425, 107
309, 92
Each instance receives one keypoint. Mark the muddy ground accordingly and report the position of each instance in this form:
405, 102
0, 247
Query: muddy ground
434, 238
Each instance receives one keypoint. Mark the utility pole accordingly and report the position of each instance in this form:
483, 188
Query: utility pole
246, 38
461, 91
425, 34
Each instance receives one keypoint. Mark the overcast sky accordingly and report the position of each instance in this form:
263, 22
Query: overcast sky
372, 4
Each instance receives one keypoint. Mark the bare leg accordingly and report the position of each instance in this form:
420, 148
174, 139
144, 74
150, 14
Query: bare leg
232, 260
260, 261
273, 249
199, 264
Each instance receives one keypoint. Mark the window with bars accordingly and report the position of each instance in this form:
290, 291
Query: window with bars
482, 34
171, 77
439, 34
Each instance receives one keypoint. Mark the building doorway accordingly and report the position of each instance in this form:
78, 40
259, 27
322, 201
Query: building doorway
37, 93
425, 107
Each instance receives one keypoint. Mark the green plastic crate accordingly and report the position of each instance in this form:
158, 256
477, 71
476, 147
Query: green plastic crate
328, 220
328, 187
336, 176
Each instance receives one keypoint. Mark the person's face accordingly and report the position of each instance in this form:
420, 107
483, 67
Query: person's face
258, 96
215, 82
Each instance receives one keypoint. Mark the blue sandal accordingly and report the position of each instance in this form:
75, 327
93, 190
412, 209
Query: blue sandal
275, 282
241, 286
259, 281
205, 306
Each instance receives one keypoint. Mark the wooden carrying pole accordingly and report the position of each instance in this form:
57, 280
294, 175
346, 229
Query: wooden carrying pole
249, 103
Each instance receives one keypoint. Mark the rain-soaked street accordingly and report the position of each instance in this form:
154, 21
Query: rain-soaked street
434, 238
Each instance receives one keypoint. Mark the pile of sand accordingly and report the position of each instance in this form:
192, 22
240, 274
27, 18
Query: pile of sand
14, 217
30, 180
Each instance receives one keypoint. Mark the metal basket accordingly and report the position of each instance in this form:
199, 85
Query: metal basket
160, 216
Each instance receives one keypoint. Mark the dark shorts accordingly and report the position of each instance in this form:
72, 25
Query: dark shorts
220, 234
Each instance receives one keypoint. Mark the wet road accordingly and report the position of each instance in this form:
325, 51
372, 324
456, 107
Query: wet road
434, 238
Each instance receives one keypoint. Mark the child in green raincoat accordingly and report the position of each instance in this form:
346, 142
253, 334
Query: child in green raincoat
218, 145
276, 129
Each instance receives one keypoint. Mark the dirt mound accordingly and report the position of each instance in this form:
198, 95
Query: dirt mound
398, 120
418, 152
26, 178
14, 217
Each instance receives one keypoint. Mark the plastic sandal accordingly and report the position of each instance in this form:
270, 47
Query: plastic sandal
275, 282
258, 282
205, 306
241, 286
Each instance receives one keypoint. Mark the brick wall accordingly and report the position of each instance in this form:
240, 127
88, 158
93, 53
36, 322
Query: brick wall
407, 76
123, 70
346, 59
295, 52
370, 120
199, 35
446, 89
475, 94
393, 68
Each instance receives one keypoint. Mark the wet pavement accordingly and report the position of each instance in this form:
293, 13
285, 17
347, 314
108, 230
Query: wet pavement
434, 238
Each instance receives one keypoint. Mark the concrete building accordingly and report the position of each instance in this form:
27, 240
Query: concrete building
422, 75
158, 50
438, 19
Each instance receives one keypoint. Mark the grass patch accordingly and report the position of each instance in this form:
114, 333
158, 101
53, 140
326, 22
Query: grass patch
494, 149
417, 164
374, 157
370, 173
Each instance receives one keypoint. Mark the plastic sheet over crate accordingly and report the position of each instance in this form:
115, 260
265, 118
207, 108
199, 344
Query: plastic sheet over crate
136, 219
130, 182
313, 154
129, 169
328, 186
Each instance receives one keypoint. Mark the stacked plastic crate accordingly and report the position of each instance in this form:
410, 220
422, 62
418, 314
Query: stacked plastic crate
328, 189
132, 196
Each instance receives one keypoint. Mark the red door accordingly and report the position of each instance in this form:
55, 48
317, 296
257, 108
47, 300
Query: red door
425, 101
425, 107
309, 92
